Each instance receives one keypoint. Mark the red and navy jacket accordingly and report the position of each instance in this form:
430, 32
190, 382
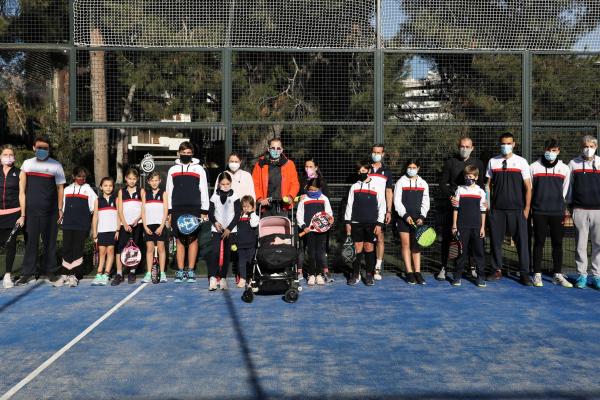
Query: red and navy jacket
187, 188
471, 204
41, 193
507, 177
584, 190
10, 189
246, 231
78, 206
411, 198
550, 187
382, 177
308, 207
366, 204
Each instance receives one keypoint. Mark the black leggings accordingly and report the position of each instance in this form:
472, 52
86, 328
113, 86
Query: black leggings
213, 265
541, 223
10, 247
317, 258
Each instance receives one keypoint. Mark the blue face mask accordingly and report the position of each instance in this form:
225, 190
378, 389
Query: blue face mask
469, 181
506, 149
314, 195
376, 157
550, 156
412, 172
41, 154
274, 154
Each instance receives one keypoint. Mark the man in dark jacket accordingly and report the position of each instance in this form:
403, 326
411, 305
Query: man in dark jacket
453, 176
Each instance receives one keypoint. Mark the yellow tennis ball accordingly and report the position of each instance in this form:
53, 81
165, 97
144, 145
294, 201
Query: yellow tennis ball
233, 247
296, 199
286, 199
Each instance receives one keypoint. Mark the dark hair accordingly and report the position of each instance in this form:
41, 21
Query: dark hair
80, 170
105, 179
507, 135
415, 161
275, 139
41, 138
363, 164
153, 174
471, 169
247, 199
315, 182
551, 144
235, 154
378, 145
225, 176
132, 171
186, 146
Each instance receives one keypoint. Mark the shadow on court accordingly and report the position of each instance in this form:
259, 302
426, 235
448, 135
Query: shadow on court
30, 288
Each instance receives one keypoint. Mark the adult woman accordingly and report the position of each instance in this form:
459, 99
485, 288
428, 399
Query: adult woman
242, 183
11, 208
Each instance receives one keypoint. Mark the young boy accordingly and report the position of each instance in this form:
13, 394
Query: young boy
365, 213
468, 220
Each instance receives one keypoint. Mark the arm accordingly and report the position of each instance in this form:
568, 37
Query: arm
254, 220
300, 215
294, 183
381, 207
169, 190
348, 213
389, 200
569, 197
165, 214
211, 213
205, 198
120, 212
488, 192
454, 220
328, 208
566, 183
61, 197
237, 209
95, 220
400, 209
144, 224
426, 202
528, 192
22, 187
256, 178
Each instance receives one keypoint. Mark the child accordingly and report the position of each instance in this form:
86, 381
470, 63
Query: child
105, 227
411, 199
129, 205
155, 212
468, 220
314, 201
224, 214
187, 193
79, 203
364, 218
246, 238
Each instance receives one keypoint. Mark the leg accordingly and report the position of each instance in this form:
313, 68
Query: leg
320, 253
49, 234
370, 257
312, 257
32, 228
497, 232
522, 241
557, 232
213, 265
465, 241
406, 257
192, 254
380, 249
101, 259
446, 238
10, 248
582, 229
180, 255
594, 216
149, 256
110, 257
540, 227
162, 255
476, 244
356, 264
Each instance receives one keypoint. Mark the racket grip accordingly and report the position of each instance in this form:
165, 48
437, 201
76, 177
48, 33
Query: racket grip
301, 234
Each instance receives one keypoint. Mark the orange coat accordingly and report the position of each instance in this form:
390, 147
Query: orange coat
289, 178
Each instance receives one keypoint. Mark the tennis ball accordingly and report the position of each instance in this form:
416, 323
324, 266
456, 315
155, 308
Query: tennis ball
233, 247
286, 199
296, 199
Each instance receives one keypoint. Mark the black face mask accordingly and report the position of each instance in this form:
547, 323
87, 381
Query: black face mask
185, 158
362, 176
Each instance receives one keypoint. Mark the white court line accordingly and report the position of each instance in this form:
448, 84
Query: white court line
66, 348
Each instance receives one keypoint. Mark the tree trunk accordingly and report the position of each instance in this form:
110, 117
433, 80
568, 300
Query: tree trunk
122, 137
98, 89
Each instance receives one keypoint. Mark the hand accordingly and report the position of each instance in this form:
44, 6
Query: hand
134, 224
60, 216
348, 229
21, 221
302, 197
377, 230
128, 228
218, 227
454, 201
486, 205
95, 236
330, 219
388, 217
159, 231
264, 202
168, 222
148, 231
526, 213
482, 232
204, 217
116, 236
410, 221
419, 222
454, 230
225, 234
306, 230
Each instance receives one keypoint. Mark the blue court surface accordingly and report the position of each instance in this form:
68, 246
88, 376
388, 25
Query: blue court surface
391, 341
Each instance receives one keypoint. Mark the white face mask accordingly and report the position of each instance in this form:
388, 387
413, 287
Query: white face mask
412, 172
8, 160
589, 152
234, 166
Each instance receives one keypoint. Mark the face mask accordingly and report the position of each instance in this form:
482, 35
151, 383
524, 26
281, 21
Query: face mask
234, 166
311, 172
8, 160
42, 154
376, 157
506, 149
550, 156
469, 181
274, 154
362, 176
314, 195
465, 153
80, 181
589, 152
185, 158
411, 172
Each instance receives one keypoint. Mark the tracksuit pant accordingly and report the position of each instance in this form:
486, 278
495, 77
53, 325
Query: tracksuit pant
245, 257
513, 222
587, 226
471, 243
45, 227
541, 223
315, 246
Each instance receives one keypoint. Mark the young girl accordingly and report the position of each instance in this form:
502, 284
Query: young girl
411, 199
314, 201
224, 214
187, 193
246, 238
105, 227
364, 217
129, 206
154, 217
79, 203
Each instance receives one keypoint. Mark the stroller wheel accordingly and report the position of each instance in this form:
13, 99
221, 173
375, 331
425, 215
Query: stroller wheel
248, 296
291, 295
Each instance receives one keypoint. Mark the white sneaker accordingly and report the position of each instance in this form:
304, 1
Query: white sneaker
242, 283
223, 284
7, 282
320, 280
311, 280
72, 281
60, 281
377, 275
559, 279
537, 280
212, 283
441, 276
98, 280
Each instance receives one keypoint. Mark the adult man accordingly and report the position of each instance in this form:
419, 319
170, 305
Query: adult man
451, 178
41, 184
584, 200
509, 188
382, 179
275, 180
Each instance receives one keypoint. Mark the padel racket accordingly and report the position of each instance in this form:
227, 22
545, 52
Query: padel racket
172, 243
425, 235
11, 235
455, 249
131, 254
155, 271
320, 222
221, 255
348, 250
188, 224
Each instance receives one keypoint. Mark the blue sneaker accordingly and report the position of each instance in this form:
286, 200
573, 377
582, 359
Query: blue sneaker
581, 282
179, 277
191, 276
595, 282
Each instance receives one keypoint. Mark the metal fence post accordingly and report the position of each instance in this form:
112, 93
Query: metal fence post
72, 66
379, 136
526, 90
226, 95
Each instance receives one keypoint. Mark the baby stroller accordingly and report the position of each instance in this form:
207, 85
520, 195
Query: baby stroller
275, 261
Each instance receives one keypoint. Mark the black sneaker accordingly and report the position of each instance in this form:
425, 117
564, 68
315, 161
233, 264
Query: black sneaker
526, 280
480, 282
420, 279
456, 281
24, 280
410, 278
131, 277
369, 281
117, 280
353, 279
